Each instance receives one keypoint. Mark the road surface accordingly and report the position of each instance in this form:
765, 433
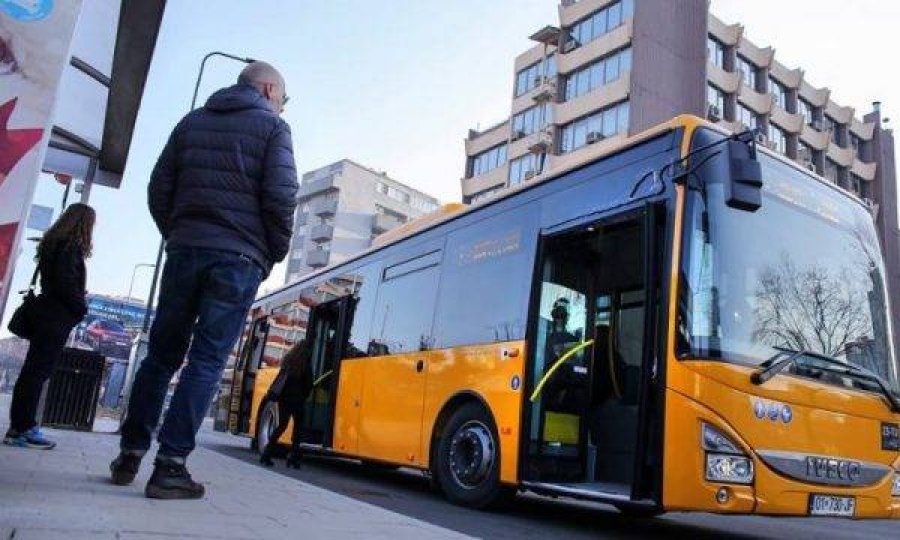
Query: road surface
408, 492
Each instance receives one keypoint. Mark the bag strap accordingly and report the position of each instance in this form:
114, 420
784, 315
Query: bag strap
34, 277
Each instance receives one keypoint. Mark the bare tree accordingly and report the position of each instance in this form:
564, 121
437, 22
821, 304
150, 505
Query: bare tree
810, 308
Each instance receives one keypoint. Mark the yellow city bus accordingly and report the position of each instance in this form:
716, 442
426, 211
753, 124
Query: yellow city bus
684, 322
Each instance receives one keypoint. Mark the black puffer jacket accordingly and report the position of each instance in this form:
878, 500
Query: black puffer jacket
226, 179
63, 279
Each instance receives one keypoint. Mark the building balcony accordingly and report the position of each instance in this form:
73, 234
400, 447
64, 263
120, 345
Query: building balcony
756, 101
817, 97
839, 155
487, 139
537, 142
382, 223
483, 182
323, 207
815, 138
594, 100
790, 122
603, 45
317, 186
321, 233
727, 81
317, 258
843, 115
866, 171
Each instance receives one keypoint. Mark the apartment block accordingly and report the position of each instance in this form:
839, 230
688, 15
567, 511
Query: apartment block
342, 208
611, 68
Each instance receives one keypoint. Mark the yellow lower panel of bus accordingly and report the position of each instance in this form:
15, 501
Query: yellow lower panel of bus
387, 407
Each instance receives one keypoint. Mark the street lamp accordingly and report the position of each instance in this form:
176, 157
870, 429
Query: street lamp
162, 243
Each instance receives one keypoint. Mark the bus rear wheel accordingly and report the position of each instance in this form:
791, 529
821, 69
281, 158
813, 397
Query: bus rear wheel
467, 459
266, 421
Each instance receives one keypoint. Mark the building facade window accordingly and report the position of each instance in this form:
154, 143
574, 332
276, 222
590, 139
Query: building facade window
715, 51
489, 160
597, 74
598, 24
748, 71
857, 144
531, 120
805, 153
599, 125
856, 184
530, 77
715, 101
833, 127
806, 109
777, 138
522, 169
780, 92
831, 171
484, 195
747, 117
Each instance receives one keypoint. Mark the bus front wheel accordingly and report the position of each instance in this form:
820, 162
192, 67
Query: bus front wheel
467, 459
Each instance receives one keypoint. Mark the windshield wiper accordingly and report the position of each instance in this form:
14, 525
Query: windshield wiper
762, 375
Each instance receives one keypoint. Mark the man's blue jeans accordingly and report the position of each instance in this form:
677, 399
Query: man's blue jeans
203, 301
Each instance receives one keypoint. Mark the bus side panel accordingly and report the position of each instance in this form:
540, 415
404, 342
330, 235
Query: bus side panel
346, 412
391, 409
489, 373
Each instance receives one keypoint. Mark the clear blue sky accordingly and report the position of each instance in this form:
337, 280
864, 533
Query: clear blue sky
396, 84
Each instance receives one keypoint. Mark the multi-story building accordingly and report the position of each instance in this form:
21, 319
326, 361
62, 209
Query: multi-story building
612, 68
342, 207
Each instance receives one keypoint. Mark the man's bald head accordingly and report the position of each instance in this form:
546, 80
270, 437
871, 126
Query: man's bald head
265, 78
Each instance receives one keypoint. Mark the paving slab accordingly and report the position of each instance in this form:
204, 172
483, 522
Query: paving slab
65, 493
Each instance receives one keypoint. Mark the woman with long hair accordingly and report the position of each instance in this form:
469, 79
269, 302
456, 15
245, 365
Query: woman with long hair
59, 307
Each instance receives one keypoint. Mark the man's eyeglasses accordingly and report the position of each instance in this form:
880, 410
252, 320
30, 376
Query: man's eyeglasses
284, 100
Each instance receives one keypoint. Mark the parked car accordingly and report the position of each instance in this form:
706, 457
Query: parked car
108, 338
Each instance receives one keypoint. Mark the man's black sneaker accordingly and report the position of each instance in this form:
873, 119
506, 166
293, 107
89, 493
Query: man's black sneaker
124, 468
171, 480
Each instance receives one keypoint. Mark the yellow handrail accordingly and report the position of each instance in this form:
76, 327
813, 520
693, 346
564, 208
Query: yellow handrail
569, 354
322, 378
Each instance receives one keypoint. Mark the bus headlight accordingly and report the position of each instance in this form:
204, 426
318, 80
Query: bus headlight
895, 489
725, 461
729, 469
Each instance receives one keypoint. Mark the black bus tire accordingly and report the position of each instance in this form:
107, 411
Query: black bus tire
266, 415
467, 460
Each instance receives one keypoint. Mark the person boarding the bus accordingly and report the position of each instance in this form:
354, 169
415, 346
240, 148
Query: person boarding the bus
290, 390
223, 195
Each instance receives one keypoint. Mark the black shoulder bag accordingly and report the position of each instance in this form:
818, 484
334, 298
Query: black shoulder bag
21, 323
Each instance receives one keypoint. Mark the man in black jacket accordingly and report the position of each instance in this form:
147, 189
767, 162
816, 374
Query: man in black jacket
223, 195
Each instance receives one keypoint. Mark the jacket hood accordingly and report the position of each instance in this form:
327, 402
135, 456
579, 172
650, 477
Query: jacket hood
236, 98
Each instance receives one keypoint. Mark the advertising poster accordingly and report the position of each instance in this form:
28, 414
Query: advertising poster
35, 39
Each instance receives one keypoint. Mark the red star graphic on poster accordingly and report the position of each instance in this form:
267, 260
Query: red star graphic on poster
14, 143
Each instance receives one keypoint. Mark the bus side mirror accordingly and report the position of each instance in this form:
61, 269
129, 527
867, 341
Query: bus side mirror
743, 190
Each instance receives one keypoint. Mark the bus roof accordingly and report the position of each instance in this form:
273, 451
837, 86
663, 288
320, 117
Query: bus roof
452, 211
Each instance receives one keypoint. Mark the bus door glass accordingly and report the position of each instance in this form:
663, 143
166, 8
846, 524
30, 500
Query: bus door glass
586, 369
328, 333
245, 374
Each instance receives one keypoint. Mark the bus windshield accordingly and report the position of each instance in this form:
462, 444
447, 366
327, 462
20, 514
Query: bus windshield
804, 273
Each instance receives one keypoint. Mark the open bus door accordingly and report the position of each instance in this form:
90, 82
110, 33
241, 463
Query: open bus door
329, 325
244, 380
592, 409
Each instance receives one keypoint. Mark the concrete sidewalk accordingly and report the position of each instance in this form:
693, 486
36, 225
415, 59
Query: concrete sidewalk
65, 493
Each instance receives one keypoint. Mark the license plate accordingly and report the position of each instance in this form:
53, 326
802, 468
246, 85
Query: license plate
831, 505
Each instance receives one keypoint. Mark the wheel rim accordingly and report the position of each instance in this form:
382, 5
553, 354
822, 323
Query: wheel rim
471, 454
269, 420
